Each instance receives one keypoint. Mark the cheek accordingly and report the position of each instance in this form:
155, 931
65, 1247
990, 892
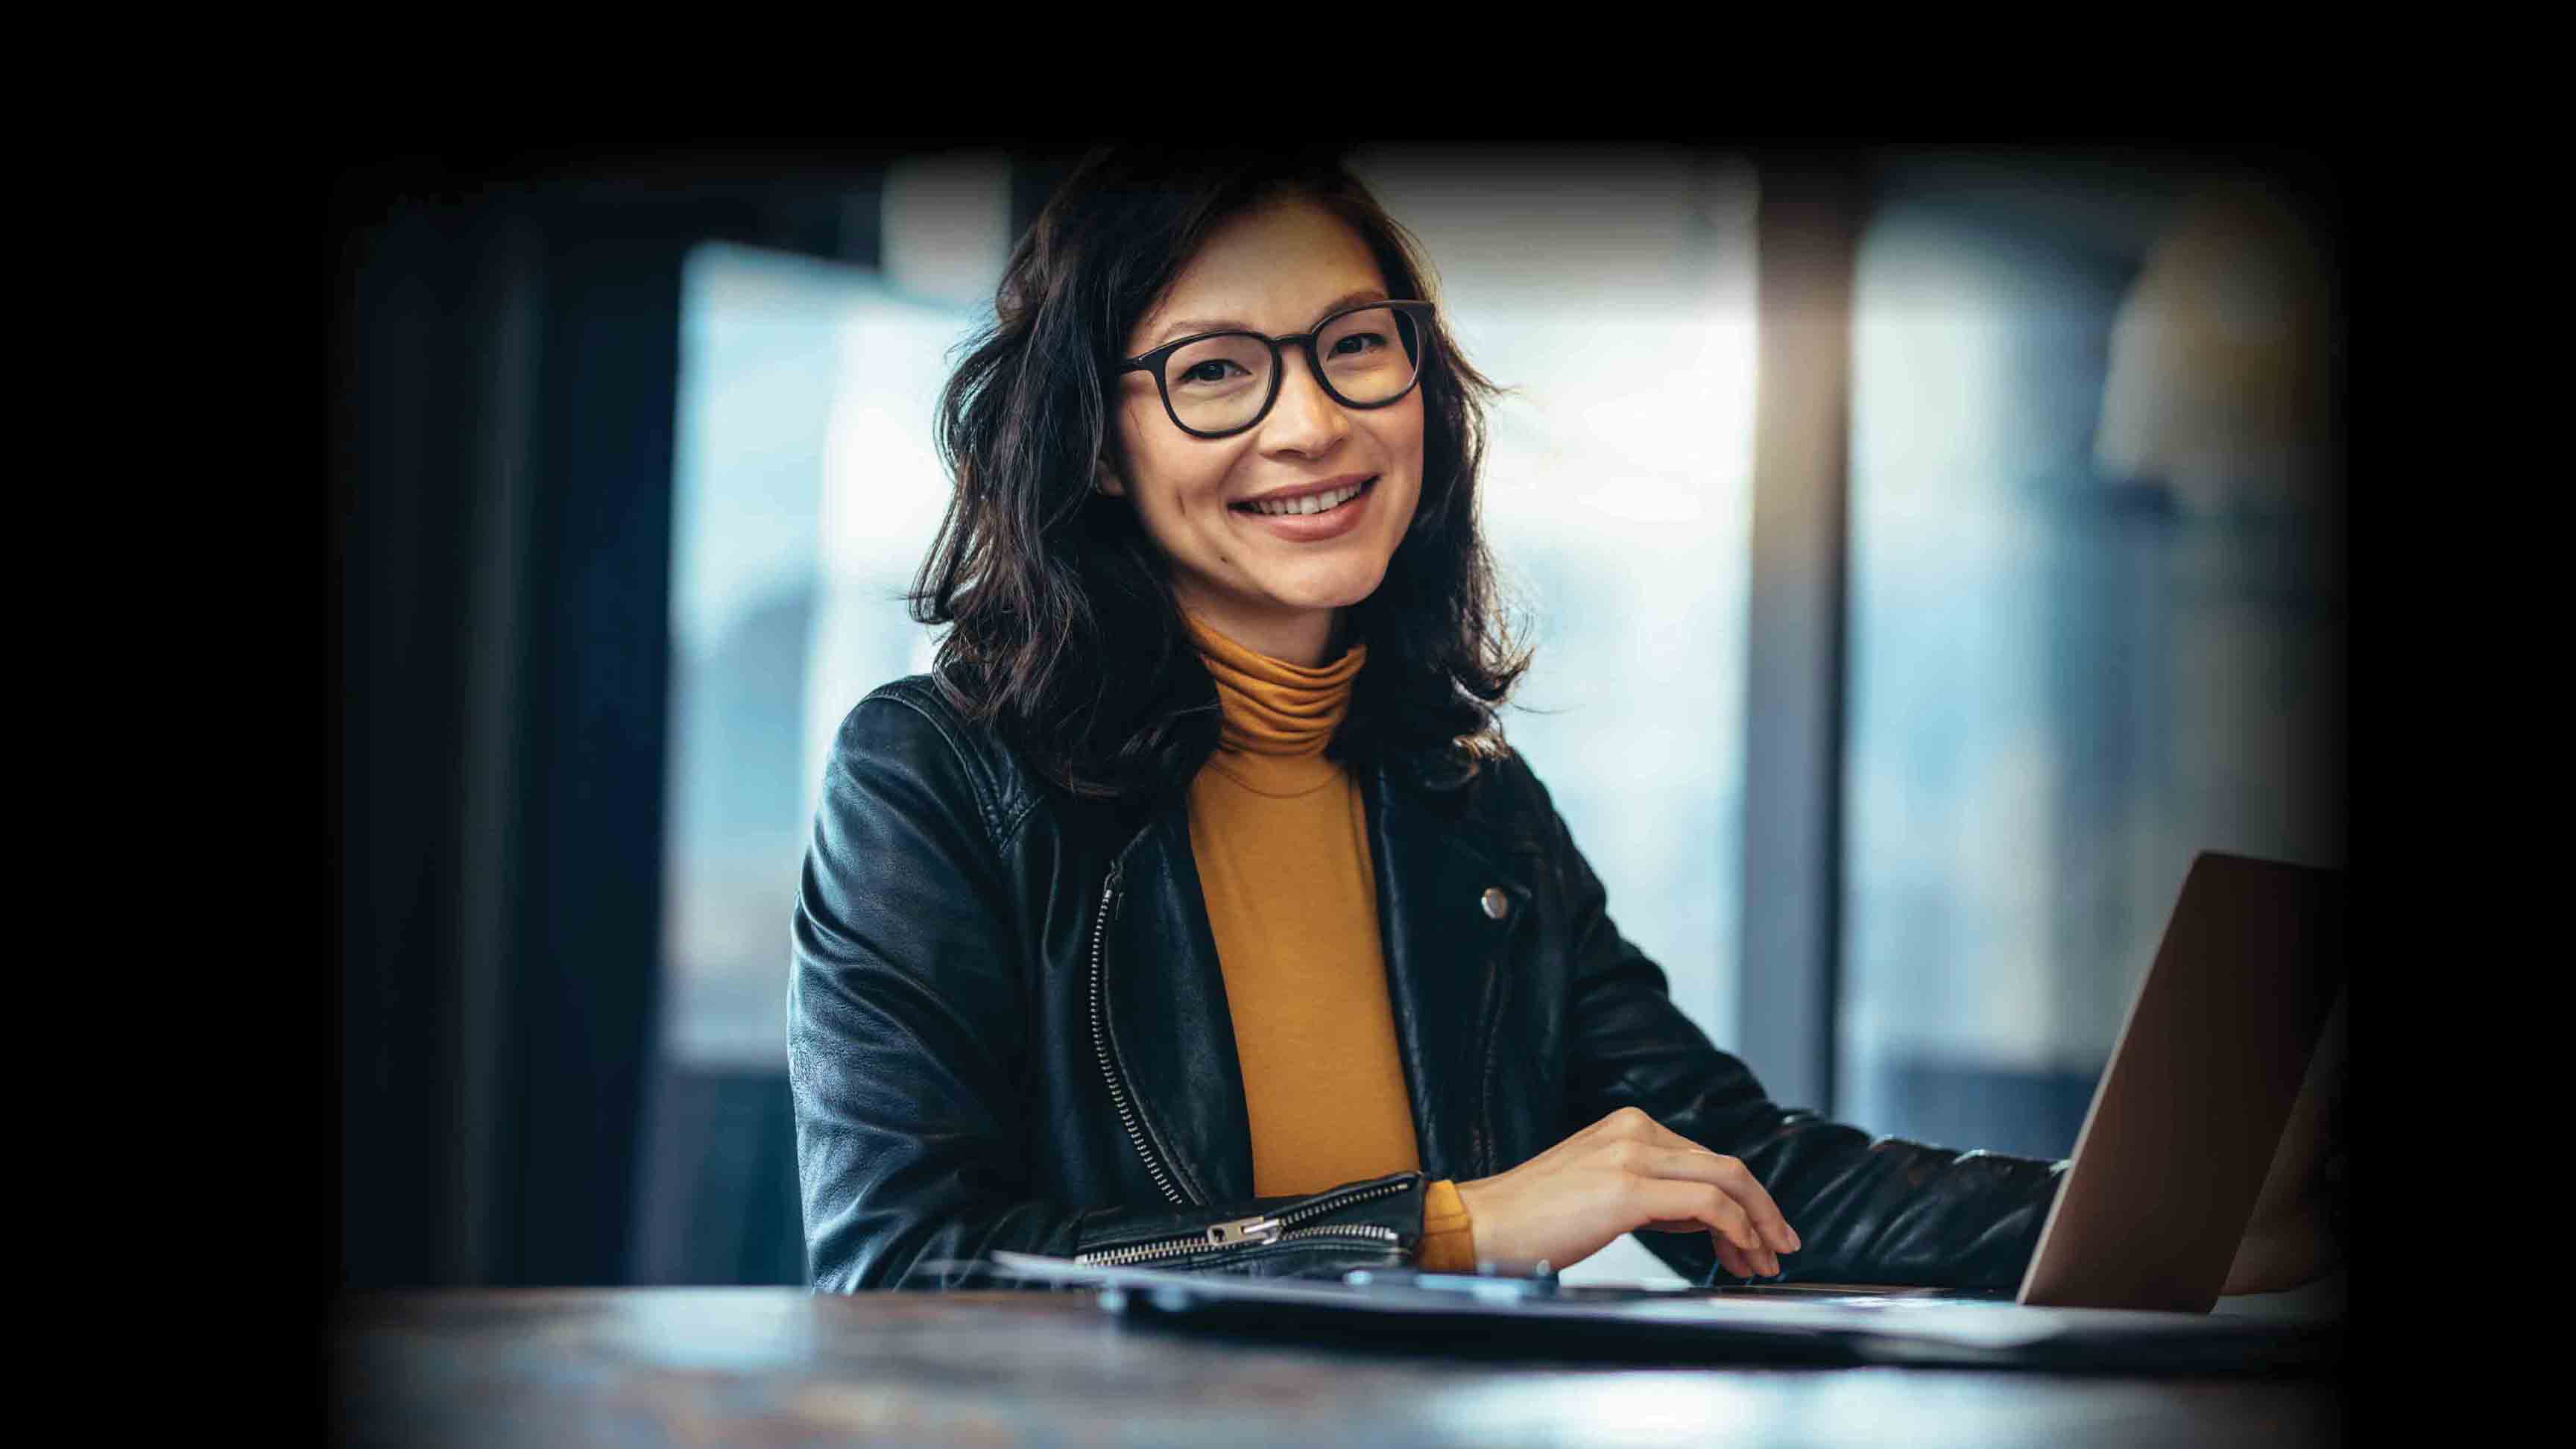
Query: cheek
1178, 488
1403, 439
1194, 503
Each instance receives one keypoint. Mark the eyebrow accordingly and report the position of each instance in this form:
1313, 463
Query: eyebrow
1195, 326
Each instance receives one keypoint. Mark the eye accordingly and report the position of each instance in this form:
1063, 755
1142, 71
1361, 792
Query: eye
1366, 341
1212, 370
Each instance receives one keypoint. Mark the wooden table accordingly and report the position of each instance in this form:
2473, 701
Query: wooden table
782, 1366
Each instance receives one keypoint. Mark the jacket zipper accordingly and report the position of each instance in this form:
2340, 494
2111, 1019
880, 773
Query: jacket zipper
1100, 1045
1259, 1232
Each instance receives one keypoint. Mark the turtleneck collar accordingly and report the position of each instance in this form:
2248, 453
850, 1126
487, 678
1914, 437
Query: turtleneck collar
1276, 716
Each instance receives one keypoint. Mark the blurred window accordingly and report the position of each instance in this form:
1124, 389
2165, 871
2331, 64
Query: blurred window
808, 492
2087, 639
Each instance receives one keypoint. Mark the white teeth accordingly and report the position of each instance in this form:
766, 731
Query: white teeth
1312, 503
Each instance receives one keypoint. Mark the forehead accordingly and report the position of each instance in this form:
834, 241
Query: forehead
1272, 270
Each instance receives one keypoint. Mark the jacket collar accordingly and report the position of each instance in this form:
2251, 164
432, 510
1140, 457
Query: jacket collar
1164, 991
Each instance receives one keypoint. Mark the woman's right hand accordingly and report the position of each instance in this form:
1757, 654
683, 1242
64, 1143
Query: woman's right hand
1625, 1172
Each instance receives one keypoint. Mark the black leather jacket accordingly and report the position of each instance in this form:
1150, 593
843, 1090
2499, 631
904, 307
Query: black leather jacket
1007, 1029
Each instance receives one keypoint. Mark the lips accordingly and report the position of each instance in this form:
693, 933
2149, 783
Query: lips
1253, 505
1302, 528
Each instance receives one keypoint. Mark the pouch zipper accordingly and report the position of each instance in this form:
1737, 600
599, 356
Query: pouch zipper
1100, 1044
1260, 1232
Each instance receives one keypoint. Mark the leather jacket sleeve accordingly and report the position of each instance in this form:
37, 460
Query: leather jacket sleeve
1866, 1210
907, 1032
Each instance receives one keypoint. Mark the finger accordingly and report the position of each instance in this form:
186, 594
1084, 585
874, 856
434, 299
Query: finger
1747, 1265
1729, 1177
1665, 1197
1731, 1258
1684, 1158
1632, 1130
1740, 1183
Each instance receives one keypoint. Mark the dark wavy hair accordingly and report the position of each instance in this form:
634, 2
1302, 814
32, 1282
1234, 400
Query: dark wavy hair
1063, 632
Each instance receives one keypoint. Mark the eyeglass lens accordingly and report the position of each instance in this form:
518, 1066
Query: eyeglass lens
1222, 382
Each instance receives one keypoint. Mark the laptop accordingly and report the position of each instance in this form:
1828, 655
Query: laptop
2222, 1042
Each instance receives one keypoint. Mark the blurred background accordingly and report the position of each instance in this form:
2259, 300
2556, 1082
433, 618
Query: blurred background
1928, 553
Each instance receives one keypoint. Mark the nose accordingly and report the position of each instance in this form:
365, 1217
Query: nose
1305, 419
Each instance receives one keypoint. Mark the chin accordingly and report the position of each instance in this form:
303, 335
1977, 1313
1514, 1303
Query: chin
1330, 589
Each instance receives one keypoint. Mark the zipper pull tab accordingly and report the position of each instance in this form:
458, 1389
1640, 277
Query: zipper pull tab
1244, 1230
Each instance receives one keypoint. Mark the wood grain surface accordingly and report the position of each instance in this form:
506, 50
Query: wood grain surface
767, 1366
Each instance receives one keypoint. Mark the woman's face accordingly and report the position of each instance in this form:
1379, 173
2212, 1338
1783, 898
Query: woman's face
1275, 585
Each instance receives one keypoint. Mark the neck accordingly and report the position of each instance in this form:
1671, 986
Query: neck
1308, 637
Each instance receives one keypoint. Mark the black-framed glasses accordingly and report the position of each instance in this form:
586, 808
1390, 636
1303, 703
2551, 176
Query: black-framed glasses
1217, 384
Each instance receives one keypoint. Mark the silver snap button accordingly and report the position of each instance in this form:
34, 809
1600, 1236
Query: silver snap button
1497, 905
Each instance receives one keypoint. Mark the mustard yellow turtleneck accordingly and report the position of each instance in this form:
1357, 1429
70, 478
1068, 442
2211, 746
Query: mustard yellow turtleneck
1280, 835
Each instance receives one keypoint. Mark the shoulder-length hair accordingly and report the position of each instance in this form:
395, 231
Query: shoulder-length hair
1063, 632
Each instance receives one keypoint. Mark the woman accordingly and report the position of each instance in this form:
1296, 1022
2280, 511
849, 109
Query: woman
1194, 912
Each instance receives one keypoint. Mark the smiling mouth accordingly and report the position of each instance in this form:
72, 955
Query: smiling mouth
1308, 506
